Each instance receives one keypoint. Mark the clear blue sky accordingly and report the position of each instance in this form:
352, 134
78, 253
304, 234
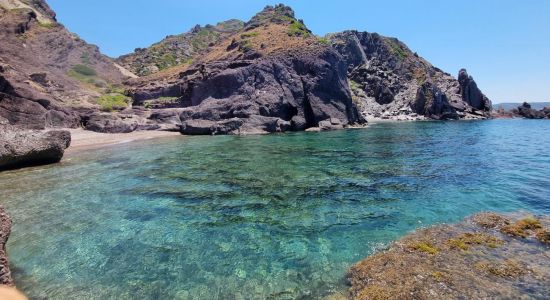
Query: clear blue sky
504, 44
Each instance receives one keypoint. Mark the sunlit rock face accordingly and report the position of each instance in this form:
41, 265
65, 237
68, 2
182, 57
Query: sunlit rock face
390, 81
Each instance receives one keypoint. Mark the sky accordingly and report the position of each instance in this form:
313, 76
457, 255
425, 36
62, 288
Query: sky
504, 44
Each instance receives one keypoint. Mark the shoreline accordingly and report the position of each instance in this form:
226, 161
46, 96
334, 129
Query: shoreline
82, 140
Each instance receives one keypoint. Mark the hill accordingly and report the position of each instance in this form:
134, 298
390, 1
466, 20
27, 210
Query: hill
270, 74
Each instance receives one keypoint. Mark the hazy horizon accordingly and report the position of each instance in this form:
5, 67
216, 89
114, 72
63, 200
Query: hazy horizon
499, 42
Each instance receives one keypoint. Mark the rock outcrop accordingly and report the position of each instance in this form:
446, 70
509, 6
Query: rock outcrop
389, 81
5, 230
471, 94
525, 111
272, 76
488, 256
27, 148
45, 70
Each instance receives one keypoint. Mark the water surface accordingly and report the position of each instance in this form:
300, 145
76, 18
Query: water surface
277, 216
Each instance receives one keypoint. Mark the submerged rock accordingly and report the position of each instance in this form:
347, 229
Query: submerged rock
5, 229
20, 148
488, 256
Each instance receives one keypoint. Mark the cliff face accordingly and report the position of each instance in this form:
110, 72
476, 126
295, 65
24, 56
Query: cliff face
178, 49
271, 76
389, 80
44, 69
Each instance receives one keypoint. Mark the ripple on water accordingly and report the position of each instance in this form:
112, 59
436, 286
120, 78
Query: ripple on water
279, 216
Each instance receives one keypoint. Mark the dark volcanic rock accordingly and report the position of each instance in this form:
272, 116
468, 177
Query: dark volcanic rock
527, 112
132, 120
471, 94
270, 76
5, 230
45, 70
27, 148
23, 112
433, 103
388, 80
108, 123
310, 88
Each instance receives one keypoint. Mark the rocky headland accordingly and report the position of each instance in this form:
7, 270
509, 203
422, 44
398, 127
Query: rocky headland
527, 112
524, 110
487, 256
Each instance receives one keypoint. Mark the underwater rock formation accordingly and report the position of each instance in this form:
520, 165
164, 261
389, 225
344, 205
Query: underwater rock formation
487, 256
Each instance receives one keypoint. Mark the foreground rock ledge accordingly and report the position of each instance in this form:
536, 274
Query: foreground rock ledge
488, 256
5, 229
29, 148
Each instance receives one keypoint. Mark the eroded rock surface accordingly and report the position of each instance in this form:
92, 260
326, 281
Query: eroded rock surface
21, 148
272, 76
488, 256
388, 80
46, 71
5, 230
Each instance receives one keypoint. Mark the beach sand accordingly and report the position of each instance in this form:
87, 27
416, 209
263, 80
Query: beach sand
82, 140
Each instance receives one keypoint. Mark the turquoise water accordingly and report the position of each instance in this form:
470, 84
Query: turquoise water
277, 216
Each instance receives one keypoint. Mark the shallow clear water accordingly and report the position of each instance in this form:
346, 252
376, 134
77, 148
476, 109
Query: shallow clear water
277, 216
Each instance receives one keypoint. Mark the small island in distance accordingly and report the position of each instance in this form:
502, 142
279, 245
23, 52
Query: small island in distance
257, 160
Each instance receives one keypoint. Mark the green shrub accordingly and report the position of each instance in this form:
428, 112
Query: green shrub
47, 25
297, 28
396, 48
324, 41
84, 70
247, 35
109, 102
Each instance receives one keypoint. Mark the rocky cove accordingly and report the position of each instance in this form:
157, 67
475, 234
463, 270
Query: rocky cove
241, 80
282, 216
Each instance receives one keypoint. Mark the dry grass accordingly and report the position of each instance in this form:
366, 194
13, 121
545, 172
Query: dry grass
522, 227
424, 247
374, 292
466, 240
264, 40
543, 235
509, 268
427, 265
490, 220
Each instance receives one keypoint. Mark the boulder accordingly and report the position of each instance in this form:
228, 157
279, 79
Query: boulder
109, 123
433, 103
330, 124
5, 229
22, 112
20, 148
